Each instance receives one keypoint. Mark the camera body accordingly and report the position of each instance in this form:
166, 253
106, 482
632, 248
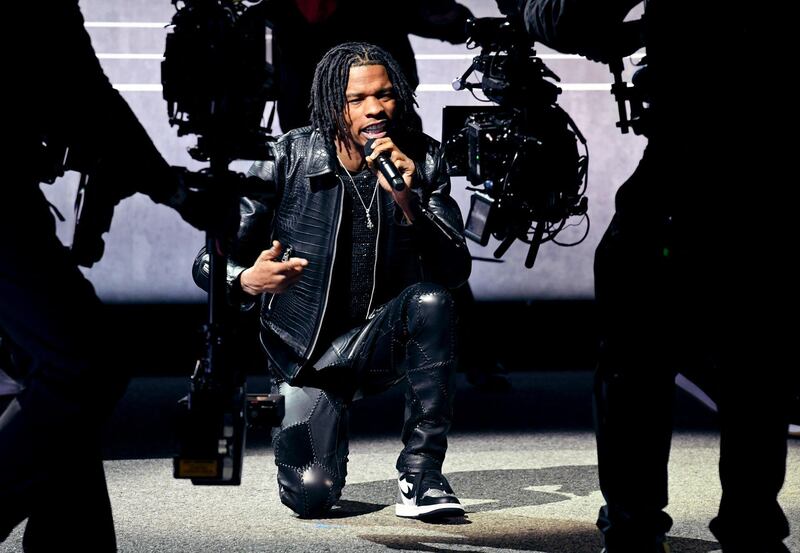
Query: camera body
216, 78
521, 155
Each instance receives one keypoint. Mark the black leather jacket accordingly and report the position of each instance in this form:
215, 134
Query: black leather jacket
307, 215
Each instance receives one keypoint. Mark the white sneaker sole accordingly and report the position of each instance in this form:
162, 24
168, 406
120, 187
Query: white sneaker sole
440, 510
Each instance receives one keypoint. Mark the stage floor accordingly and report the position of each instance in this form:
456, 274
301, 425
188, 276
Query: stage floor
522, 461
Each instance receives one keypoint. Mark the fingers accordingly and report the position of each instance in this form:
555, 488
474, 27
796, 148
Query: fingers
293, 266
385, 145
269, 274
286, 268
273, 253
297, 263
403, 163
287, 273
381, 145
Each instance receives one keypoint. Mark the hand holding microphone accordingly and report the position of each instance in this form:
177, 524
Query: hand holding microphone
385, 164
396, 168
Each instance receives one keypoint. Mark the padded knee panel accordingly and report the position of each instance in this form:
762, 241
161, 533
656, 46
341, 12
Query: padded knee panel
311, 453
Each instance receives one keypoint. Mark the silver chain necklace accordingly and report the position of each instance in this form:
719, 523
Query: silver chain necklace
367, 209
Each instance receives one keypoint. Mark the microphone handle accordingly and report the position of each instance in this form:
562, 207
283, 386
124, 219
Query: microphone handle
398, 183
390, 172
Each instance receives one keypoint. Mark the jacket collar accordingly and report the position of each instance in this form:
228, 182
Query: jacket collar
318, 159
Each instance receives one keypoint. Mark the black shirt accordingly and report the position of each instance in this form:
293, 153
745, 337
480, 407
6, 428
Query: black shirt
353, 278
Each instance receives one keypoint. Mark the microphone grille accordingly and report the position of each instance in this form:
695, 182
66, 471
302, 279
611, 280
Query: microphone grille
368, 147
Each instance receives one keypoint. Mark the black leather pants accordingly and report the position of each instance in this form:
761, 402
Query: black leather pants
409, 339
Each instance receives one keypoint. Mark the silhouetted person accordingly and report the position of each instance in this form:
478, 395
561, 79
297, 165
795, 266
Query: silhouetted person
65, 356
691, 266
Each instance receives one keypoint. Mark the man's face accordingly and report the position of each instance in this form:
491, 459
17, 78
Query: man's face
370, 103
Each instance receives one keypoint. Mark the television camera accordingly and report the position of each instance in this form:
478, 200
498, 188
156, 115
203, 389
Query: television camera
521, 155
216, 81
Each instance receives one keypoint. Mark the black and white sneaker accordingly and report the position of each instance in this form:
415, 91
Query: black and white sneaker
426, 494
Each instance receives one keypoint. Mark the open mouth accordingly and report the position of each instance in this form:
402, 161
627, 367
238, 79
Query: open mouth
376, 130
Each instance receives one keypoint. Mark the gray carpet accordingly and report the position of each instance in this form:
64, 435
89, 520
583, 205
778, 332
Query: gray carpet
523, 462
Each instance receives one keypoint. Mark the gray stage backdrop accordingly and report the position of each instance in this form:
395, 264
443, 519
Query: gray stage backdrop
149, 250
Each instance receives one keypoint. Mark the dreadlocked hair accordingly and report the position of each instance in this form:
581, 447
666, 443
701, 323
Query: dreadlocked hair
328, 101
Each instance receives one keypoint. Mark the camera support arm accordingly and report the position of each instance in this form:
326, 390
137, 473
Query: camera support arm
216, 83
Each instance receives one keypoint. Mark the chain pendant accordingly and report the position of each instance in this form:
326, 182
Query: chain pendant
366, 207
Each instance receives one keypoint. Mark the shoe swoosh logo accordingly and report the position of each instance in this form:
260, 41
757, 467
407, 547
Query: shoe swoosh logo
406, 489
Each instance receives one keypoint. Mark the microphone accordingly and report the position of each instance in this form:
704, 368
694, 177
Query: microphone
386, 167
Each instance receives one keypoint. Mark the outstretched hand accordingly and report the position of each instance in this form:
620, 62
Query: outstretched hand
270, 274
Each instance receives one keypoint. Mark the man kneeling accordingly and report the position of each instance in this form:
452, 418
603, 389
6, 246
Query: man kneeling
352, 275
